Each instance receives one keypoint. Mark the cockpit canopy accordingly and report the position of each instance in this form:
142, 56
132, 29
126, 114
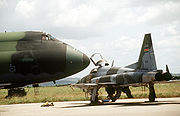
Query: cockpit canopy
47, 37
98, 60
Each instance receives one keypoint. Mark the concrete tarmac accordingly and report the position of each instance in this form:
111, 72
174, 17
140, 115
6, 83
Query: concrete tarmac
122, 107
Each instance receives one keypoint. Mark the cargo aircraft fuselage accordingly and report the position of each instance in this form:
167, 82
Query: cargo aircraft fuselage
34, 57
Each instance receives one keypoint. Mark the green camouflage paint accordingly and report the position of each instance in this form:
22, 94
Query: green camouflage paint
8, 42
35, 57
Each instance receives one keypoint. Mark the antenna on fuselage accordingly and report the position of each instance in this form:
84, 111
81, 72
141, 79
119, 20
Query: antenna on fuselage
112, 63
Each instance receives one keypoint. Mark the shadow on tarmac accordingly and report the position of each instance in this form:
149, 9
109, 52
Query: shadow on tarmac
122, 104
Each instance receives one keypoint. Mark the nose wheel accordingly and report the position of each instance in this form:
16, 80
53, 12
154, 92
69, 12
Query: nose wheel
94, 95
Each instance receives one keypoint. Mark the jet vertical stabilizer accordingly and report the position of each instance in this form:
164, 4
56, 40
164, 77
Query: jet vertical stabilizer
146, 59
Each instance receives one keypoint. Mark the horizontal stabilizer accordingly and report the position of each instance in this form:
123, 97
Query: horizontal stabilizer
133, 66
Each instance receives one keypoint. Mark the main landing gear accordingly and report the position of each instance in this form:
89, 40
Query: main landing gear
115, 93
152, 94
16, 92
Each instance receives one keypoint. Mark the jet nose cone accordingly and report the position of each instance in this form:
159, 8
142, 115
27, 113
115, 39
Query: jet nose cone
75, 61
86, 61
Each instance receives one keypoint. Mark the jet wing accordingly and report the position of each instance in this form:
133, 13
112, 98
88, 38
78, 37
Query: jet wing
92, 85
126, 85
85, 85
170, 81
138, 84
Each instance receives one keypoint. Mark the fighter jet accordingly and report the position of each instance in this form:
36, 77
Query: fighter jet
117, 79
35, 57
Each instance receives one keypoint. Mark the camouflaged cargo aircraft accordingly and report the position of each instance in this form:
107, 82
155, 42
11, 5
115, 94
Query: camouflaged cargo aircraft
34, 57
117, 79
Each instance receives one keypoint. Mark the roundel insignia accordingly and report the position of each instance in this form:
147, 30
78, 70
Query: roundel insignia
12, 68
146, 50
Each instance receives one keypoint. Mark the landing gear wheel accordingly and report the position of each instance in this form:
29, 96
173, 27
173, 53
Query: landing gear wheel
117, 95
111, 91
127, 91
151, 99
94, 95
94, 101
152, 94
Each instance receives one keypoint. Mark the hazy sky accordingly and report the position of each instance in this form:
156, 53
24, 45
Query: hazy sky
114, 28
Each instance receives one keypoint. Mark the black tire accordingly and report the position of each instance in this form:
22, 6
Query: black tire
152, 99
